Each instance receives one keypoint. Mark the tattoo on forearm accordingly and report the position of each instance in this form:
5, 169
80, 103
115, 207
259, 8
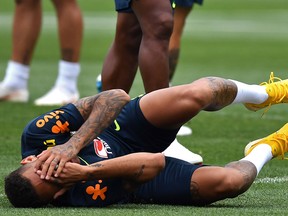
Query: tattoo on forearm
91, 175
99, 112
224, 92
97, 165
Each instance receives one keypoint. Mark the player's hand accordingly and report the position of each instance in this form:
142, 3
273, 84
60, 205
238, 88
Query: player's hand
71, 173
54, 159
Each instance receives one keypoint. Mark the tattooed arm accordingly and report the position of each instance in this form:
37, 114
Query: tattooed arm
98, 111
135, 168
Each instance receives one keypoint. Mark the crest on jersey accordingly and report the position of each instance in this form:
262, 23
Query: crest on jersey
101, 148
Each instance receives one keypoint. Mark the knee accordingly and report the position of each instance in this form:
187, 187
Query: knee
64, 4
129, 38
218, 92
160, 29
165, 27
196, 94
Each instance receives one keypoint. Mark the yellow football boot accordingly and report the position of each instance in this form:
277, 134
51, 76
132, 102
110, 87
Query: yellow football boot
278, 142
277, 90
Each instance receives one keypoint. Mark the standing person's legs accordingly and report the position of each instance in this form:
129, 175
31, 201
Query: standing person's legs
121, 63
26, 29
70, 28
142, 38
181, 10
156, 21
148, 49
180, 15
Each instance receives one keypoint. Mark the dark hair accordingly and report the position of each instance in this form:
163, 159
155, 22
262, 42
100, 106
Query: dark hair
20, 191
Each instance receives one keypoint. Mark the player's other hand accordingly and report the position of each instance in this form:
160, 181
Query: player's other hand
54, 159
71, 173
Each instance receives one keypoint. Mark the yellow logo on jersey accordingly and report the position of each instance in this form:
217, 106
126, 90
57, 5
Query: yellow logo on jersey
50, 143
117, 126
97, 191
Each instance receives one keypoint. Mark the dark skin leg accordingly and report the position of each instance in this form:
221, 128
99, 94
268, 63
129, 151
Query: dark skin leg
180, 15
121, 63
147, 48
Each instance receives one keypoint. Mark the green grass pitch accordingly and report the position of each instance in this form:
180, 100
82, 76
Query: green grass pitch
243, 40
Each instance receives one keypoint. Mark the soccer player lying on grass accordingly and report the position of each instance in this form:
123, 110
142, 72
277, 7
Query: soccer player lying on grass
98, 167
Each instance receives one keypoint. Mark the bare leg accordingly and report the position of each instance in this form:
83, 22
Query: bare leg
70, 28
26, 29
121, 63
210, 184
174, 106
142, 38
180, 15
156, 21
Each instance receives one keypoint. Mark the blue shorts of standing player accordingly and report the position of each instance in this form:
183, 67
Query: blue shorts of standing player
125, 5
186, 3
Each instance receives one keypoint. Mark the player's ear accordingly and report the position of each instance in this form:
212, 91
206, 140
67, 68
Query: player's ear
28, 159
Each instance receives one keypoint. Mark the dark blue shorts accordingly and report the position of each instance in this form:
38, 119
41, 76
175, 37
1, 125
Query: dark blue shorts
135, 133
186, 3
171, 186
123, 6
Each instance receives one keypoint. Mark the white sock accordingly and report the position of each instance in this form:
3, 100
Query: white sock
255, 94
176, 150
259, 156
16, 75
68, 76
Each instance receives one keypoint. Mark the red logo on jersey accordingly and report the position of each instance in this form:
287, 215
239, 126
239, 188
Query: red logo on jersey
100, 149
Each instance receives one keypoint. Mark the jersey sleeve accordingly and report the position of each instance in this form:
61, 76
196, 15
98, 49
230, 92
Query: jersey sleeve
50, 129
